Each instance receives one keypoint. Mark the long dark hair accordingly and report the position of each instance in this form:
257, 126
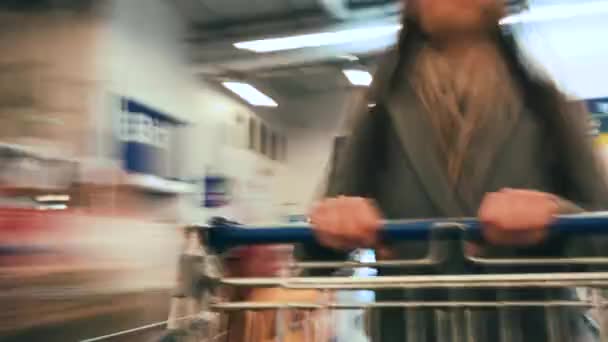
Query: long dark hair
540, 94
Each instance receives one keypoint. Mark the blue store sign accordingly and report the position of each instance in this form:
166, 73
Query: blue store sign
599, 115
217, 192
598, 106
146, 135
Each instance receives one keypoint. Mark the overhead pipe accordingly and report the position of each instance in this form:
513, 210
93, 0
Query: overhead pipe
360, 9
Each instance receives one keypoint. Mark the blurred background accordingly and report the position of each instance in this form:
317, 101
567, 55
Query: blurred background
123, 120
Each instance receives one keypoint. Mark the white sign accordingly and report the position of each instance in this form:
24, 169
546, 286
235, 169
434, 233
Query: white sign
141, 128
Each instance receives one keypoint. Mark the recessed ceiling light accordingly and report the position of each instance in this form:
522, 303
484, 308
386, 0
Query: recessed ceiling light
349, 57
357, 77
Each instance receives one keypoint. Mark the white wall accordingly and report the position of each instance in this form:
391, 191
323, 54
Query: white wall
55, 54
143, 56
572, 50
317, 119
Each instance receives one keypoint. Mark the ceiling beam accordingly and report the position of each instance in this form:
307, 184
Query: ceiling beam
221, 56
233, 29
284, 60
224, 62
367, 61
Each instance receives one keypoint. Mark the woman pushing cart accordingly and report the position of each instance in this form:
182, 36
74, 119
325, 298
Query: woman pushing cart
262, 304
463, 126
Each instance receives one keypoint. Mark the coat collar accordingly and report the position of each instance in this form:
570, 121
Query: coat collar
414, 131
415, 134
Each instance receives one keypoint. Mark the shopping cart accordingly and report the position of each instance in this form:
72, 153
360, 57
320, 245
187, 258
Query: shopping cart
200, 307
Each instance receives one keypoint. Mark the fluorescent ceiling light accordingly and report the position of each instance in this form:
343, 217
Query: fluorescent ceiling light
553, 12
250, 94
319, 39
539, 13
360, 78
348, 57
53, 198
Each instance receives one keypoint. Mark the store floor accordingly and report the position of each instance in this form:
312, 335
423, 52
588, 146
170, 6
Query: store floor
131, 311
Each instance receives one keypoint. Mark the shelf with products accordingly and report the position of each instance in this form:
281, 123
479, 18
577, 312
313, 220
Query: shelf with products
35, 169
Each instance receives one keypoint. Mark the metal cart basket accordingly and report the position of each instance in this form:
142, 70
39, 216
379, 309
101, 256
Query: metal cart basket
202, 310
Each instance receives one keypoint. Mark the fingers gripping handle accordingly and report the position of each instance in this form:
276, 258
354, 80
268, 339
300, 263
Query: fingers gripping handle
224, 234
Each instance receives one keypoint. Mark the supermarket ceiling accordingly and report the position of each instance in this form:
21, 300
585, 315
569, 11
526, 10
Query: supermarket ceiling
229, 40
217, 25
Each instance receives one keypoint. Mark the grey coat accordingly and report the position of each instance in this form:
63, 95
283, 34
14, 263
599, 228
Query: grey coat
391, 159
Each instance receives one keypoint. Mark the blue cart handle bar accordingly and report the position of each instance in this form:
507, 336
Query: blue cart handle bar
222, 234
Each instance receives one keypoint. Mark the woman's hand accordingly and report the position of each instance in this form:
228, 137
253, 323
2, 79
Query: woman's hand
517, 217
346, 223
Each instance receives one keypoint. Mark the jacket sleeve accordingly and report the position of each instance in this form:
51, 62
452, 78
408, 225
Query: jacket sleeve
583, 181
352, 175
580, 184
583, 175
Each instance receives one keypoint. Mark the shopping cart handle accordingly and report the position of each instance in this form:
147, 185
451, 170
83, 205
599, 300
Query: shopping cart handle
223, 234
